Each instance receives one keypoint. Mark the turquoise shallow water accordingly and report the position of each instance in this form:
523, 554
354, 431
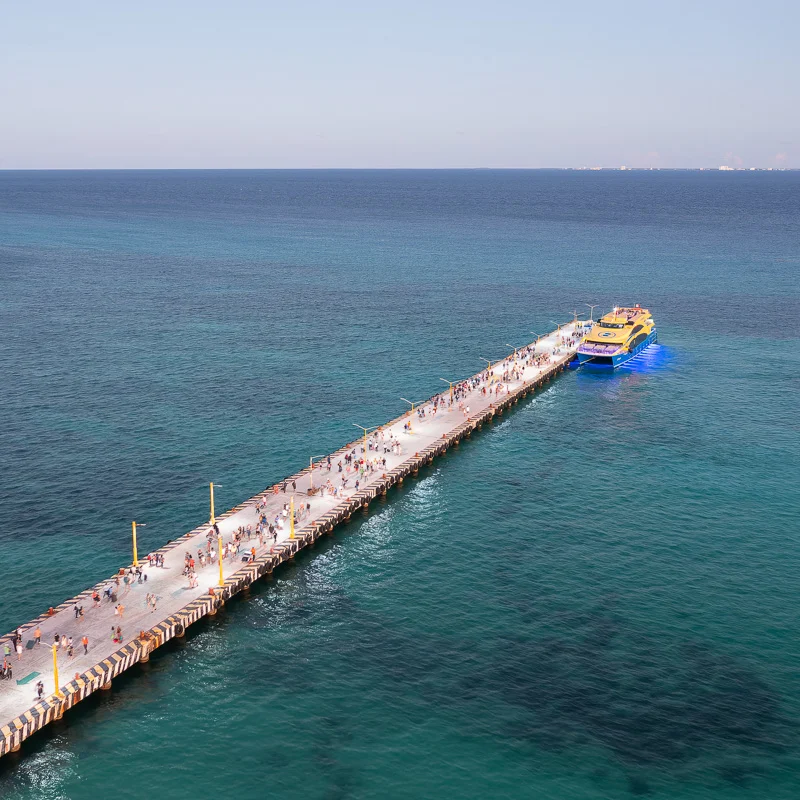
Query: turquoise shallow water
593, 598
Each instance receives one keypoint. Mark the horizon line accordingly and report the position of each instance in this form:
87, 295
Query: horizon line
722, 168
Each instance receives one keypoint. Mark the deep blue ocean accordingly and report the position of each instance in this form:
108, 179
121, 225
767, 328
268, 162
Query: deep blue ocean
594, 598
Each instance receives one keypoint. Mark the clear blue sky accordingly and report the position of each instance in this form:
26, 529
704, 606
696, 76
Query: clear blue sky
357, 83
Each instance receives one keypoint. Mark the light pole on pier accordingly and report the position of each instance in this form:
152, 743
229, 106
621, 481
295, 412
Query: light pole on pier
214, 525
451, 388
591, 310
538, 336
58, 692
411, 413
514, 349
291, 517
366, 430
489, 369
134, 526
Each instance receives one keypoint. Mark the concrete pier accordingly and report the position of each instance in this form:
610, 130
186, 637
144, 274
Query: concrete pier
179, 606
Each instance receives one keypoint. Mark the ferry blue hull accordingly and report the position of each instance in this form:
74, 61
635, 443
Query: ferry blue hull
612, 362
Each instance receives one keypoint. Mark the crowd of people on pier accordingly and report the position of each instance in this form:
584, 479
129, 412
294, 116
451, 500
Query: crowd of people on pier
67, 645
336, 479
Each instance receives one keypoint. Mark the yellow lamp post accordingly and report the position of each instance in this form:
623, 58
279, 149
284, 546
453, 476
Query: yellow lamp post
451, 387
366, 431
412, 404
134, 526
411, 413
489, 370
58, 692
213, 522
291, 517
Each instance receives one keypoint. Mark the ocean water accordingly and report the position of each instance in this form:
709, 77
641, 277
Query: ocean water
594, 598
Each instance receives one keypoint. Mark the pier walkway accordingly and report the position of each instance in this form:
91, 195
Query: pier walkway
177, 605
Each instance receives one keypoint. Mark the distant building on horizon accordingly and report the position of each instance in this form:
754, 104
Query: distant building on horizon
725, 168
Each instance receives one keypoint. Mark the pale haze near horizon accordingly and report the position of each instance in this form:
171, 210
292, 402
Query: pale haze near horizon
403, 85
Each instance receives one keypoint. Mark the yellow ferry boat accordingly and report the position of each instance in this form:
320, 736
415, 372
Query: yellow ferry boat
617, 337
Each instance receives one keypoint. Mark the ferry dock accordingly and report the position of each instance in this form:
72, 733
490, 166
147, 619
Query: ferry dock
69, 679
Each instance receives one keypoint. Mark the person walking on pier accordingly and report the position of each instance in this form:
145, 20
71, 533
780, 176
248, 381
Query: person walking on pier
85, 643
37, 636
19, 649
